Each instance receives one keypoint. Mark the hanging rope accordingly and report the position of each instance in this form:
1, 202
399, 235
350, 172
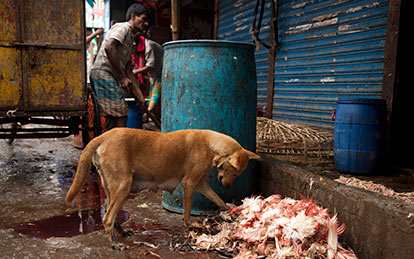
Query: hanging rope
256, 26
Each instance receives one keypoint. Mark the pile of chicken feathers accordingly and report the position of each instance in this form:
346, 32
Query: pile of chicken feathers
273, 228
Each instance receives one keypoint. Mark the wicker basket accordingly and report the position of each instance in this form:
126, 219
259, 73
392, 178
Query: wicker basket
280, 138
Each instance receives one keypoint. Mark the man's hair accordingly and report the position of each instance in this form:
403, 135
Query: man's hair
137, 9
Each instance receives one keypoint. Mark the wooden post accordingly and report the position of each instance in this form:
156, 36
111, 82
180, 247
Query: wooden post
216, 17
175, 19
390, 55
272, 58
270, 83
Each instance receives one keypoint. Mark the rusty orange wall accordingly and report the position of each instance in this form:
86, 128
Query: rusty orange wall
10, 79
42, 55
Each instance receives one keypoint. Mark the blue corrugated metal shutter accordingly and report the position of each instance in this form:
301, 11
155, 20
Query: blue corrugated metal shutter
328, 50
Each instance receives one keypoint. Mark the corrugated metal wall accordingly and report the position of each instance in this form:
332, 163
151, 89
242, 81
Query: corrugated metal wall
328, 50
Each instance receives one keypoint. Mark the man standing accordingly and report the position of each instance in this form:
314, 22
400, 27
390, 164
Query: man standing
112, 71
151, 66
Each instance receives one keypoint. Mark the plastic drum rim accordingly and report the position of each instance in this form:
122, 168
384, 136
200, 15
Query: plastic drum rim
208, 43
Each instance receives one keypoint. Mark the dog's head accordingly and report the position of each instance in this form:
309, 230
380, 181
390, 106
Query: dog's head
230, 167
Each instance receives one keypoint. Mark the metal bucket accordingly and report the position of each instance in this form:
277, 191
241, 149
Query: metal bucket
210, 84
360, 135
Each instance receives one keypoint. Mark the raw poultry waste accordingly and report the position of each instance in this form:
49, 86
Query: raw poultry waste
271, 227
407, 197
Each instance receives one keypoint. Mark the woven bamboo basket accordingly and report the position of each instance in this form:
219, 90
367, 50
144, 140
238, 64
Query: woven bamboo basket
292, 140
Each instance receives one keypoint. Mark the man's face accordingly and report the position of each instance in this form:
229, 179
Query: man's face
139, 23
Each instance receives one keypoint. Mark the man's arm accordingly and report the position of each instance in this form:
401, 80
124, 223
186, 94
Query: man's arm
111, 52
142, 70
149, 62
93, 35
134, 84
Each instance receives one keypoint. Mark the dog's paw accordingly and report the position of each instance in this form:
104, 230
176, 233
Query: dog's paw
119, 246
195, 225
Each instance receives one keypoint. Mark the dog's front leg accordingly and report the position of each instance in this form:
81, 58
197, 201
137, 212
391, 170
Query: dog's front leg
204, 188
188, 189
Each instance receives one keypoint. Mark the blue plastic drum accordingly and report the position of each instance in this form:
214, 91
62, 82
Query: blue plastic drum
209, 84
360, 135
134, 117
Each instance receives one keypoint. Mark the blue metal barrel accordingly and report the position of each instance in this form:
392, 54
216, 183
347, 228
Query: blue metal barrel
360, 135
209, 84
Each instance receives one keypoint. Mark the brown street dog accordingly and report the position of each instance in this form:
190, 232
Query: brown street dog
165, 159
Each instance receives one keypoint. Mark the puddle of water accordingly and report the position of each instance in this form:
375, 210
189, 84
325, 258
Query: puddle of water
77, 223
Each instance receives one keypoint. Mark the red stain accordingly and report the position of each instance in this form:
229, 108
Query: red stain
84, 221
77, 223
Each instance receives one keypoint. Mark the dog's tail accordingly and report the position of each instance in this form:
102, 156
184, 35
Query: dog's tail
83, 168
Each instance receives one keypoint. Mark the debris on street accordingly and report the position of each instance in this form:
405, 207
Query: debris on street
271, 227
407, 197
142, 206
147, 251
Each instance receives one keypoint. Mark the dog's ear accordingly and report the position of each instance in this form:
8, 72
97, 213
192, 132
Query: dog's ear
218, 161
251, 154
234, 160
239, 159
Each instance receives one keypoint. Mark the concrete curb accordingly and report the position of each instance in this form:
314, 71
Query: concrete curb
376, 226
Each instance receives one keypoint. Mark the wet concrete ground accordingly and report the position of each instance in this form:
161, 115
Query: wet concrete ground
35, 221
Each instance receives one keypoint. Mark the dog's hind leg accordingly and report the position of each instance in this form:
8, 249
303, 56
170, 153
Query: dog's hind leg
118, 193
116, 224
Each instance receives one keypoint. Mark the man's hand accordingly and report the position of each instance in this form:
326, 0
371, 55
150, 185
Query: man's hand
99, 31
140, 98
125, 82
134, 85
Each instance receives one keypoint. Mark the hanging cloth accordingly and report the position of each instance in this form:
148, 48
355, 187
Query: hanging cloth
138, 58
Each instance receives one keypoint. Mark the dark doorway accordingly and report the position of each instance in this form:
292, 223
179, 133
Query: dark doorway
402, 129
